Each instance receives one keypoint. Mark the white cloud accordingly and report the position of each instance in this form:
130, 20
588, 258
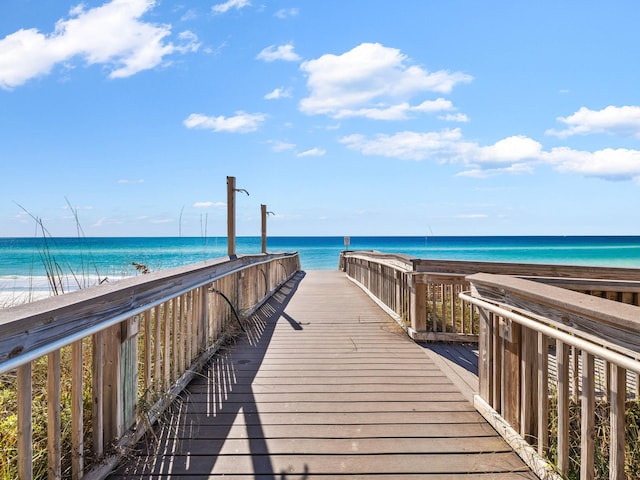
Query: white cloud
282, 146
408, 145
287, 12
242, 122
111, 34
623, 121
105, 221
373, 81
509, 150
314, 152
437, 105
189, 15
454, 117
282, 52
399, 111
209, 205
486, 172
608, 164
228, 5
278, 93
447, 145
517, 154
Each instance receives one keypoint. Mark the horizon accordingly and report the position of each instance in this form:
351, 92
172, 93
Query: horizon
123, 118
33, 237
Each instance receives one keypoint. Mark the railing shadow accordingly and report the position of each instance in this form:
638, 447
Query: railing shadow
215, 407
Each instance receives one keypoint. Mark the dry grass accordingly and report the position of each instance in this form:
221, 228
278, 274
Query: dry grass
601, 458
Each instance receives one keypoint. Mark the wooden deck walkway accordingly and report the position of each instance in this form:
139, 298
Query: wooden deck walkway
323, 385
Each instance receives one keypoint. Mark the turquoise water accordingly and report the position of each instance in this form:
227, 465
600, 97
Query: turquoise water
22, 260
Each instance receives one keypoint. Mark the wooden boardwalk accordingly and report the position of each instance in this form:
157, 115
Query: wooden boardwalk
324, 385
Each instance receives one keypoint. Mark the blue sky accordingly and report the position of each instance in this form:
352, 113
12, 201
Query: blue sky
373, 117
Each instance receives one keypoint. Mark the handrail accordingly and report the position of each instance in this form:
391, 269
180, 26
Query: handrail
597, 359
423, 294
138, 337
11, 362
553, 332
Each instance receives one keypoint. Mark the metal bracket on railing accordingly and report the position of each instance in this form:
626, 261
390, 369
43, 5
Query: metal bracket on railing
233, 309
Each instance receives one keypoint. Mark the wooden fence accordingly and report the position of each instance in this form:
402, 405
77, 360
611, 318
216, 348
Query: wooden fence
114, 356
558, 346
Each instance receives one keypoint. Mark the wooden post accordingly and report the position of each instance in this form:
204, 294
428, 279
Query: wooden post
587, 418
418, 308
562, 356
543, 394
129, 371
511, 336
111, 386
485, 363
231, 216
618, 396
263, 214
528, 384
497, 354
77, 421
54, 415
25, 422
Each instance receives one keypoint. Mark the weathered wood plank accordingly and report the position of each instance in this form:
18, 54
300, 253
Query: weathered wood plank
459, 463
339, 446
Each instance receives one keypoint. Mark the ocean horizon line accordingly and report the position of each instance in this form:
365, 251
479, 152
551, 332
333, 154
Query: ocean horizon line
334, 236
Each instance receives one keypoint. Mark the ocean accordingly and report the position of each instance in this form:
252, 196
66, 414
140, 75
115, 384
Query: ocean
84, 260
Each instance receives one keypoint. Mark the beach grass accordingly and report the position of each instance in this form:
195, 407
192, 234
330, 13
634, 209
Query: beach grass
601, 438
9, 418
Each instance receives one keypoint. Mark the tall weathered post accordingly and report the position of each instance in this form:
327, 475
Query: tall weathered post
231, 215
264, 213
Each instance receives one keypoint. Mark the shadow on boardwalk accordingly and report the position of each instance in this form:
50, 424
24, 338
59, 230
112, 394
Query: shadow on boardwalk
190, 436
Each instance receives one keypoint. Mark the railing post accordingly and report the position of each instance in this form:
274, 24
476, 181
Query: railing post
25, 422
587, 418
119, 386
111, 387
511, 334
485, 358
418, 308
618, 397
240, 292
129, 370
528, 384
562, 358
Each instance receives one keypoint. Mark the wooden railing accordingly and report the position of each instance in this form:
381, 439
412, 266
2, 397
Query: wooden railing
550, 358
114, 356
558, 346
423, 295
